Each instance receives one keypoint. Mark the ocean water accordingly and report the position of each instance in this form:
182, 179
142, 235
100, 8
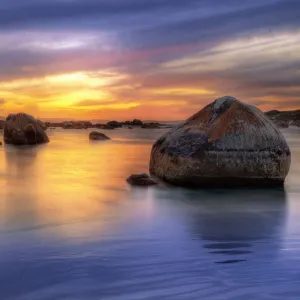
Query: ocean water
72, 229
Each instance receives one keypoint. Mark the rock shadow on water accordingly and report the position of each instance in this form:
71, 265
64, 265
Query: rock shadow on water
21, 158
234, 225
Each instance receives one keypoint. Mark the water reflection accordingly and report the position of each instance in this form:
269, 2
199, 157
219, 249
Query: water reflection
70, 228
19, 159
66, 181
18, 196
232, 224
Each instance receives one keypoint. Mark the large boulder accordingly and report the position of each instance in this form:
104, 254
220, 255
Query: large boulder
23, 129
227, 143
98, 136
286, 116
55, 125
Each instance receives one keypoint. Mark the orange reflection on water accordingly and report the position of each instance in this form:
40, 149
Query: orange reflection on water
67, 181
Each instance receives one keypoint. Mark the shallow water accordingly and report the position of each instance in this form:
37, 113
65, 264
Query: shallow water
71, 228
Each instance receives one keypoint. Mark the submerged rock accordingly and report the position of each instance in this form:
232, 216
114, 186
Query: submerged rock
227, 143
141, 180
23, 129
96, 136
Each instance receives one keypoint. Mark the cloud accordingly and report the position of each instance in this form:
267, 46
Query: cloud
94, 102
151, 54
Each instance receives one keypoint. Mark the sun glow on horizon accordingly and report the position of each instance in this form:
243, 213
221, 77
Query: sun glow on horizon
173, 90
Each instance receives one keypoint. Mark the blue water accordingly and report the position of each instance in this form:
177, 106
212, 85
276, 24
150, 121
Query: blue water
71, 228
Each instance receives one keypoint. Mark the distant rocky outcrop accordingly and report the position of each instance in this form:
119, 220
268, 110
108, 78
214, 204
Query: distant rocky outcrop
153, 125
137, 122
54, 124
98, 136
104, 126
23, 129
284, 119
76, 125
227, 143
141, 180
114, 124
107, 126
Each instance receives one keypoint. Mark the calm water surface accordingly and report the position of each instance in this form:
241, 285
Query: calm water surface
72, 229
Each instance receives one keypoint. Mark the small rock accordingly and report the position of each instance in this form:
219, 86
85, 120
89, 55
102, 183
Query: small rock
98, 136
141, 180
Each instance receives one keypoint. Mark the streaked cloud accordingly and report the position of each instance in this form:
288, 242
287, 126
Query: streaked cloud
147, 59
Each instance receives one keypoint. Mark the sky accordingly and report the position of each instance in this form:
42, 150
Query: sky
146, 59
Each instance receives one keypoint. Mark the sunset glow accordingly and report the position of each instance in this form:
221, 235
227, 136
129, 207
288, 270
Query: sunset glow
103, 67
